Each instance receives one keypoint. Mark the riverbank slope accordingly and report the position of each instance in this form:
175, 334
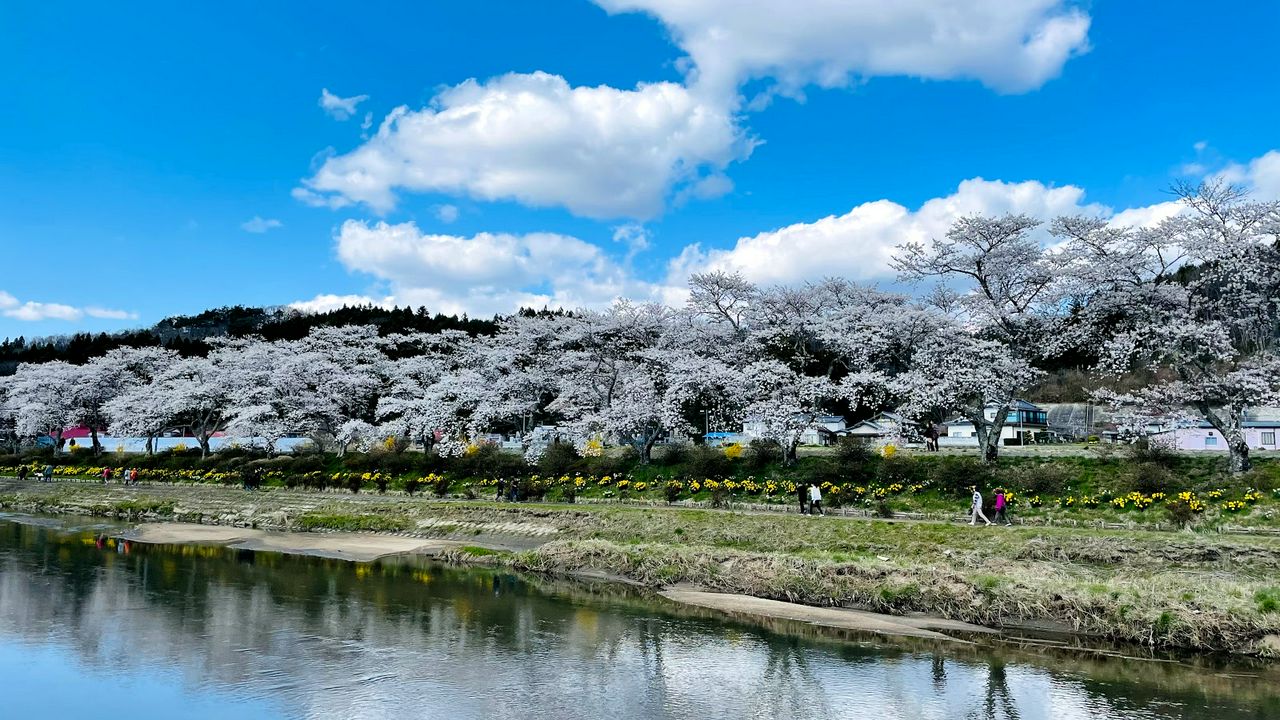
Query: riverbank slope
1177, 590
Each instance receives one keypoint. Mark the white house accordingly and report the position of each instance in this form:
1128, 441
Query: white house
886, 427
755, 427
1261, 427
1021, 426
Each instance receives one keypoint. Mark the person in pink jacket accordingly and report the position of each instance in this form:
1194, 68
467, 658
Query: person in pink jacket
1002, 507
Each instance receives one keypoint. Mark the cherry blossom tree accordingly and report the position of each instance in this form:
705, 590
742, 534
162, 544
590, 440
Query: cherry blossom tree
1006, 306
955, 372
42, 398
136, 408
196, 394
1211, 342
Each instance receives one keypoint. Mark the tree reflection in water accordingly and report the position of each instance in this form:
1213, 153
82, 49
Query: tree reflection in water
316, 637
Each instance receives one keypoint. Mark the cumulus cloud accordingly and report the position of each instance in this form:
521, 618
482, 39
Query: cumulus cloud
260, 225
487, 273
492, 273
31, 311
340, 108
1260, 176
605, 152
1008, 45
326, 302
600, 152
860, 243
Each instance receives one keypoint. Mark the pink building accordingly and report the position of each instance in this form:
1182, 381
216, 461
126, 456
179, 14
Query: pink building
1259, 434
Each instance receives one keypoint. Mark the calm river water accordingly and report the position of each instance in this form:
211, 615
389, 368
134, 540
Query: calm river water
93, 629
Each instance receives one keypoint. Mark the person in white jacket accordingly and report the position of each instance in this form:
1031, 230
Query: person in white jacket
975, 511
815, 500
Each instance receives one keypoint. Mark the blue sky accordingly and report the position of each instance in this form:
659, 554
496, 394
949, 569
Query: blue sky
139, 141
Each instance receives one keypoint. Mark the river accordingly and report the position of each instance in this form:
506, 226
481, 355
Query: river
95, 628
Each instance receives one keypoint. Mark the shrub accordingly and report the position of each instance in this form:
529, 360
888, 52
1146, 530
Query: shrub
1181, 512
1149, 477
719, 497
616, 463
560, 459
412, 485
1157, 453
818, 471
854, 453
900, 469
955, 475
672, 491
1038, 479
762, 453
707, 462
674, 454
440, 485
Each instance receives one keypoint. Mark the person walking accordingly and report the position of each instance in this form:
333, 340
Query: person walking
802, 493
48, 474
23, 471
1002, 508
133, 476
502, 485
975, 511
106, 475
815, 500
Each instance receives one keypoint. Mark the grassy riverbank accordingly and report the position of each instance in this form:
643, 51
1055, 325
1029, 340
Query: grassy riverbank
1132, 487
1199, 591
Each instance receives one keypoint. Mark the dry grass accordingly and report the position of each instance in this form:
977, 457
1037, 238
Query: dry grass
1195, 591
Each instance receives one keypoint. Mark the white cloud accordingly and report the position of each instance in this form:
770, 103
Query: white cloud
860, 243
598, 151
446, 213
30, 311
1261, 176
109, 314
326, 302
1009, 45
1148, 215
489, 272
634, 236
493, 273
340, 108
260, 225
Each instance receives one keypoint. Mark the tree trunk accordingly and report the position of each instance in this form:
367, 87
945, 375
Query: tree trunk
1240, 462
645, 448
789, 451
989, 432
202, 437
151, 445
93, 435
1231, 424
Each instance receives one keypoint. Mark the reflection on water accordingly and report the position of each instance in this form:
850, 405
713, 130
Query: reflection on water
90, 627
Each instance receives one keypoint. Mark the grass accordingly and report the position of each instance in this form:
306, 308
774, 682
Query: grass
351, 522
477, 551
1202, 591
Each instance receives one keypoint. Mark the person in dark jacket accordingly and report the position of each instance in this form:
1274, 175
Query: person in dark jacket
802, 494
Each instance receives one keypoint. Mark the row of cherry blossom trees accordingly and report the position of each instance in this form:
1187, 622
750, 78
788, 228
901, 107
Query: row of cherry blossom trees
1195, 300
